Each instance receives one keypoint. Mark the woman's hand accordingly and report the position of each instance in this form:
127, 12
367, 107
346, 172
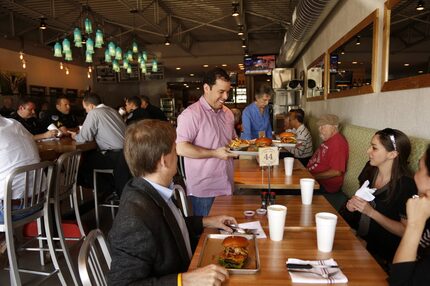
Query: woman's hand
358, 204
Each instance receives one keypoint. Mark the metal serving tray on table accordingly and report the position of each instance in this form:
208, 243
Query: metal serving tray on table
212, 247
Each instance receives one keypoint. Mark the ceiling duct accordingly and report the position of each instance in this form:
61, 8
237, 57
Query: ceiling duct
309, 14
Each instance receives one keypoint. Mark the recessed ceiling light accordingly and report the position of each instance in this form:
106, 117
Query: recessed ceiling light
205, 66
354, 62
178, 68
420, 71
197, 87
406, 64
224, 65
339, 63
191, 74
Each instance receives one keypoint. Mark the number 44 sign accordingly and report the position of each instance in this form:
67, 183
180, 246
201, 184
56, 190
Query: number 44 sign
268, 156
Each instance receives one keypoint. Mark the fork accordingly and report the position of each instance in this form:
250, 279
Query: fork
319, 273
239, 229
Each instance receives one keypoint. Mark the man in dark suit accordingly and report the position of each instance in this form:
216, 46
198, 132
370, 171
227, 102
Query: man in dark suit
153, 111
151, 242
134, 111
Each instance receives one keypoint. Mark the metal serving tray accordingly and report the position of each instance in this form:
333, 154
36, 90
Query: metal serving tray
212, 247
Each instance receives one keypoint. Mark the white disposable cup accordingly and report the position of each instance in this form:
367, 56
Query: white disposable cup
326, 228
307, 190
288, 163
276, 215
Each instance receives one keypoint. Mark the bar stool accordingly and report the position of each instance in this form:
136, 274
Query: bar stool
66, 187
112, 201
34, 206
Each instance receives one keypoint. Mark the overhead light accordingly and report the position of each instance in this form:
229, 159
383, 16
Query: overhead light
88, 26
154, 65
108, 57
167, 42
191, 74
197, 88
243, 44
235, 12
90, 69
67, 71
420, 5
205, 66
61, 66
406, 64
42, 25
240, 31
23, 64
178, 68
354, 62
224, 65
134, 47
112, 49
420, 71
21, 55
88, 75
339, 63
77, 37
357, 41
99, 39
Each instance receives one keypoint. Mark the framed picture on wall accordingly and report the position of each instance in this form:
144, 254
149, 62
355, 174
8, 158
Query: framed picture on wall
55, 91
105, 74
37, 90
123, 76
13, 83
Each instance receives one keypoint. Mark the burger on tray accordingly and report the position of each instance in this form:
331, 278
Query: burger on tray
235, 252
288, 137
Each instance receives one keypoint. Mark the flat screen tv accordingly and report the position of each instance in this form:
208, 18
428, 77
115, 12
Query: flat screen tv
260, 64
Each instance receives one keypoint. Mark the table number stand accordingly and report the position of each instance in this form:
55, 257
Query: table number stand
268, 157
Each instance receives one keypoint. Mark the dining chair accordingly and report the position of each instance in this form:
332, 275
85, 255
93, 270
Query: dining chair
35, 181
94, 259
65, 187
112, 201
181, 197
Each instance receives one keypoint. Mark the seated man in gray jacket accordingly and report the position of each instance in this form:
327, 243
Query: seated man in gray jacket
151, 242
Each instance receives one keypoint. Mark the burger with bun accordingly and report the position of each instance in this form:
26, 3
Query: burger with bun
235, 252
288, 137
263, 142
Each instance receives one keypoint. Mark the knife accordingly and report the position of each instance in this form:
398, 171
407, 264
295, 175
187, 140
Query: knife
309, 266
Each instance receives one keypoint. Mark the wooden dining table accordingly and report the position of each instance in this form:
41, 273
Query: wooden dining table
51, 149
299, 242
249, 175
299, 216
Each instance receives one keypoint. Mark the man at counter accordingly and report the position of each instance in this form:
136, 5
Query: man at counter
204, 129
61, 117
303, 149
135, 112
328, 164
256, 118
153, 111
26, 115
151, 242
7, 109
104, 125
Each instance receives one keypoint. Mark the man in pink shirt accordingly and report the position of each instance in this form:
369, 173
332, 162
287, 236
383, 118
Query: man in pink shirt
204, 129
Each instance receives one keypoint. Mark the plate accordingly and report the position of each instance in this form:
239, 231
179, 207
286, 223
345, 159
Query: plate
249, 153
241, 147
278, 143
212, 247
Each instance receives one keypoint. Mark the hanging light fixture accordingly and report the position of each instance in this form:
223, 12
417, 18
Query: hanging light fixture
420, 5
61, 66
57, 50
68, 56
243, 44
240, 31
139, 58
129, 70
129, 56
167, 41
235, 12
99, 39
357, 41
77, 37
42, 25
154, 65
135, 47
88, 57
108, 58
111, 47
88, 74
66, 46
90, 69
118, 53
88, 26
90, 46
115, 65
23, 64
144, 56
67, 71
21, 55
125, 64
143, 67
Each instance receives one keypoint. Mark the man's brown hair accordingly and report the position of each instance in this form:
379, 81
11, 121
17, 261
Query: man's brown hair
145, 142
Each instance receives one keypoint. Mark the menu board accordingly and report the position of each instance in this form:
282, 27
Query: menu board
71, 93
55, 91
37, 90
133, 76
105, 73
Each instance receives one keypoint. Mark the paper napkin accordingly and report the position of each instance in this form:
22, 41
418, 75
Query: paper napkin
311, 278
366, 193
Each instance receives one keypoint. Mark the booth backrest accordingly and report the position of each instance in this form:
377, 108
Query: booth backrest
359, 141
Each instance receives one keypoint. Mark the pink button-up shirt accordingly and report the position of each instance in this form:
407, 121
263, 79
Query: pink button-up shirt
200, 125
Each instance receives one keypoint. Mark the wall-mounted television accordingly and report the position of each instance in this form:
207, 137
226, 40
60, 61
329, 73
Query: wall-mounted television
260, 64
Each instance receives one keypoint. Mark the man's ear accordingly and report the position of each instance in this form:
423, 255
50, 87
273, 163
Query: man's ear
206, 87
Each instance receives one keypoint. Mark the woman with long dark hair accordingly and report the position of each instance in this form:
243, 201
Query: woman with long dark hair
406, 269
381, 222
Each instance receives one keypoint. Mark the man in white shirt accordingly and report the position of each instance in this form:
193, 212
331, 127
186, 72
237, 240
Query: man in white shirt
303, 149
17, 148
